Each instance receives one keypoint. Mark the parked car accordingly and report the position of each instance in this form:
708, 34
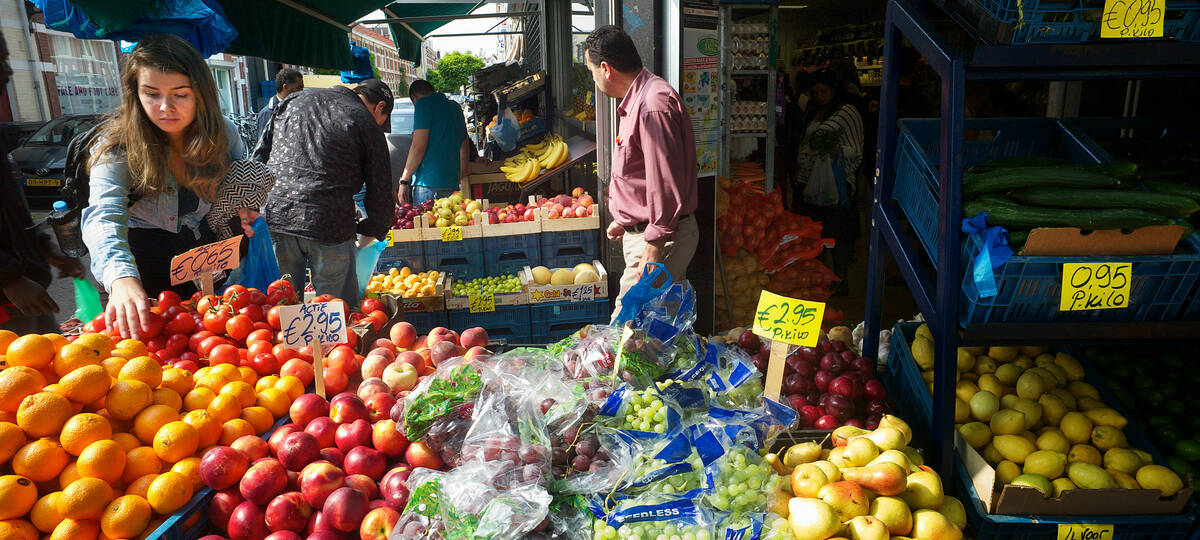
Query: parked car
42, 156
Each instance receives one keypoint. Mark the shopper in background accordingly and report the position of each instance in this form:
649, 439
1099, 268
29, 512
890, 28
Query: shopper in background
26, 253
438, 155
827, 163
323, 145
287, 81
653, 189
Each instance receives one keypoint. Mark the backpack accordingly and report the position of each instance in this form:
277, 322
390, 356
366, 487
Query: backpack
77, 189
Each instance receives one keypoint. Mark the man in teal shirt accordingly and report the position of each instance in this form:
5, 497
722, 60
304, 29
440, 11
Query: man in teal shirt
439, 151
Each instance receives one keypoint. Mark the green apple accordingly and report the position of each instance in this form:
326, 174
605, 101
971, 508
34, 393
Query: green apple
812, 519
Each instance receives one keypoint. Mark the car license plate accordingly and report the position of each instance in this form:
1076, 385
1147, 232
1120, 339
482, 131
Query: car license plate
43, 182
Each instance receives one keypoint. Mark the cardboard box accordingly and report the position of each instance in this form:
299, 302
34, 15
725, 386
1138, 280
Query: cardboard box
1072, 242
502, 299
584, 292
407, 235
429, 232
567, 224
509, 229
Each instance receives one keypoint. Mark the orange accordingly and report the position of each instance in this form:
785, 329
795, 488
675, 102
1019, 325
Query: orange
84, 429
141, 486
69, 474
85, 384
31, 350
17, 495
242, 390
291, 385
190, 467
95, 405
44, 514
101, 343
151, 419
136, 347
259, 418
169, 492
127, 398
6, 338
266, 382
18, 529
179, 380
168, 397
225, 407
127, 516
231, 430
71, 529
208, 429
43, 414
127, 441
6, 416
84, 499
58, 340
175, 441
16, 383
249, 376
102, 459
140, 462
228, 372
274, 400
40, 460
142, 368
198, 398
112, 365
11, 439
73, 356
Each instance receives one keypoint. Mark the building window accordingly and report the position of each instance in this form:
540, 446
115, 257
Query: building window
85, 75
224, 88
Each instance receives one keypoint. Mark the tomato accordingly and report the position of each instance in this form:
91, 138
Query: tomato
283, 353
190, 357
224, 354
372, 304
176, 344
237, 327
167, 299
237, 296
279, 297
209, 343
259, 334
156, 343
254, 311
352, 340
281, 285
343, 357
273, 317
257, 297
181, 323
163, 357
196, 296
170, 313
378, 319
206, 303
323, 298
195, 339
215, 320
97, 323
152, 325
263, 325
265, 364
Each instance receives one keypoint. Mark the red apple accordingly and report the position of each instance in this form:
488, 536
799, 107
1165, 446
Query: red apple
318, 479
348, 409
442, 351
264, 480
366, 461
441, 334
826, 422
279, 434
288, 512
221, 507
384, 343
222, 467
418, 454
394, 489
386, 437
356, 433
402, 375
333, 455
373, 365
344, 509
378, 524
379, 405
474, 337
247, 522
251, 446
363, 483
403, 334
324, 429
306, 407
298, 449
283, 535
371, 386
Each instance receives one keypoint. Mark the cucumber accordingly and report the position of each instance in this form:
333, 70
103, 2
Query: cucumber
1183, 190
1016, 161
1023, 177
1015, 216
1017, 238
1159, 203
1124, 170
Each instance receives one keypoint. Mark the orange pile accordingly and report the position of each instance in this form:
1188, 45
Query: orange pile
100, 438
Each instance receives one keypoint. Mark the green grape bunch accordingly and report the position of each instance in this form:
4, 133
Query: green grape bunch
744, 482
507, 283
650, 530
644, 411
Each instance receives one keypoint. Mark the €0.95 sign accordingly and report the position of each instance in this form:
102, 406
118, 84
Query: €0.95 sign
213, 257
779, 318
307, 324
1095, 286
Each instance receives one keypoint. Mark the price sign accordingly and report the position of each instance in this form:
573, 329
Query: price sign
209, 258
1081, 531
1133, 18
789, 320
482, 303
1095, 286
389, 239
453, 233
307, 324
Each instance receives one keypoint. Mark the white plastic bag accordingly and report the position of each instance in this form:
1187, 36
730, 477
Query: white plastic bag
506, 132
821, 189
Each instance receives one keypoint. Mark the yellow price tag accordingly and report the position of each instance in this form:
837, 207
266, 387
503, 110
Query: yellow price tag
1080, 531
453, 233
482, 303
1095, 286
389, 239
793, 321
1133, 18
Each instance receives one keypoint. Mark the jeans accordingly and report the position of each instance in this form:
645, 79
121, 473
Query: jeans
421, 194
333, 265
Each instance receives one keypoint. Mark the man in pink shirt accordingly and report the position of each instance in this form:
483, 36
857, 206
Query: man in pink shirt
652, 195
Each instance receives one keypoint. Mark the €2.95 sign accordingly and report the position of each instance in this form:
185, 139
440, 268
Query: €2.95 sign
306, 324
779, 318
213, 257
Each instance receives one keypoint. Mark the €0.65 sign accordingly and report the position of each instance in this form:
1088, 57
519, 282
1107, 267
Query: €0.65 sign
779, 318
213, 257
307, 324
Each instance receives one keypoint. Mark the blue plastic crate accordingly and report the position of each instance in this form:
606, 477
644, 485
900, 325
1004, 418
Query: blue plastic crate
904, 383
1028, 289
552, 322
509, 323
401, 254
509, 254
917, 149
565, 249
1022, 22
424, 321
462, 259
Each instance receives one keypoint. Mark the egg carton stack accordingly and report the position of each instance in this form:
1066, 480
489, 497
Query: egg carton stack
751, 45
749, 116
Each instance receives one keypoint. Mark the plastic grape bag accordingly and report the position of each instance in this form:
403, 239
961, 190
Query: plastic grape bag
747, 526
474, 503
421, 518
456, 382
676, 306
366, 260
670, 467
570, 519
638, 414
734, 382
766, 422
739, 480
654, 516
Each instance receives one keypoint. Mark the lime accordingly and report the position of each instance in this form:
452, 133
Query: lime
1188, 449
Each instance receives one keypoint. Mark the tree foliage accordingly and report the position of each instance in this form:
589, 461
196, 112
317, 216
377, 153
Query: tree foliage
435, 79
454, 70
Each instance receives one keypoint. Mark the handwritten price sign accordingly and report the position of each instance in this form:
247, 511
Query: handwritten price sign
390, 240
306, 324
793, 321
482, 303
1084, 532
452, 233
1095, 286
1133, 18
213, 257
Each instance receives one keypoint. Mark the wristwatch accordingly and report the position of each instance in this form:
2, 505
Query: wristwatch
405, 182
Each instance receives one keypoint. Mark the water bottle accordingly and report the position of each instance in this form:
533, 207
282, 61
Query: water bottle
66, 228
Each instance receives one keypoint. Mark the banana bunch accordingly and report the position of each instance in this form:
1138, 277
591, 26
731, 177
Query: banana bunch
549, 153
522, 167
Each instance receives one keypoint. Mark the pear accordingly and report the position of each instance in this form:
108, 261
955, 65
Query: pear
1160, 478
983, 405
843, 434
883, 478
812, 519
847, 499
1088, 476
866, 527
1006, 471
1007, 422
933, 525
893, 421
772, 459
915, 459
1085, 453
894, 513
832, 472
975, 434
837, 456
923, 490
859, 452
1106, 417
893, 456
805, 452
887, 438
954, 511
1013, 447
807, 479
1061, 485
1107, 437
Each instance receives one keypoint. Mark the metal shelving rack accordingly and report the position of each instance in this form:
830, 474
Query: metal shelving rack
725, 30
937, 296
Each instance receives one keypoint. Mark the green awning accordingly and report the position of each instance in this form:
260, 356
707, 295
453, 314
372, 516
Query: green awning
408, 44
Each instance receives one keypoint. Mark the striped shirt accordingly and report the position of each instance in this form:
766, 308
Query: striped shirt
849, 121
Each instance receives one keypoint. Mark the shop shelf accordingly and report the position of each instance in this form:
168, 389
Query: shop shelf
509, 254
1021, 22
917, 148
552, 322
401, 254
564, 249
903, 380
510, 323
462, 259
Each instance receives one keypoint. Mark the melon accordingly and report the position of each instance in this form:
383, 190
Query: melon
584, 266
541, 275
562, 276
586, 276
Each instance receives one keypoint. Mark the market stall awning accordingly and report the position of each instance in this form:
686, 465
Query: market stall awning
408, 35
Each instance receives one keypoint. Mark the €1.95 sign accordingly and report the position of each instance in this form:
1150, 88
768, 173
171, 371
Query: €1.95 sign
797, 322
306, 324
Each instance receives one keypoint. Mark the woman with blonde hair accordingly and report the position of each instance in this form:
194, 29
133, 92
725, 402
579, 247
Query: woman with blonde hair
158, 174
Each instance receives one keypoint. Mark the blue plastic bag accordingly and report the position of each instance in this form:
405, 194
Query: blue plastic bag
995, 252
643, 292
259, 267
368, 257
201, 22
